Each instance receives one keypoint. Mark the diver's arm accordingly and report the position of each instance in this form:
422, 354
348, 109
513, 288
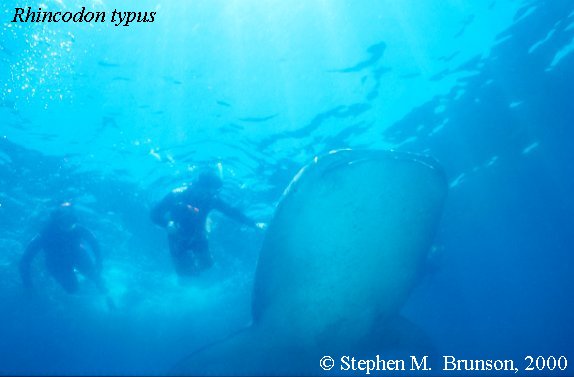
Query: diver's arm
90, 239
26, 262
233, 213
159, 212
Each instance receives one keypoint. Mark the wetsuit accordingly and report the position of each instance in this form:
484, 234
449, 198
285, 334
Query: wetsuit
183, 212
65, 252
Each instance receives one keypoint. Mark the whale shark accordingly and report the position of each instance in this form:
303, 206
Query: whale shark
347, 244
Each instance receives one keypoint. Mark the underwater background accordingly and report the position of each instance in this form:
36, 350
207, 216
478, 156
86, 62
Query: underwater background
113, 118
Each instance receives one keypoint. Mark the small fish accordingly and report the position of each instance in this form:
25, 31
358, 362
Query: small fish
375, 52
223, 103
103, 63
258, 119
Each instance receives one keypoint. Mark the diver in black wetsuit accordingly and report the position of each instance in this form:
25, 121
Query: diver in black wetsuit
183, 213
67, 247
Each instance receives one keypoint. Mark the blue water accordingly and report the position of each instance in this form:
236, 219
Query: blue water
115, 117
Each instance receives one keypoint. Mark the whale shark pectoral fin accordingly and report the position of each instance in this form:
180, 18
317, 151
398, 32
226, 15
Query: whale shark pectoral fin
217, 359
254, 352
340, 257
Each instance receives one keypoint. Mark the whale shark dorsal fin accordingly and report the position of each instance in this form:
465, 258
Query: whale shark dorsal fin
348, 240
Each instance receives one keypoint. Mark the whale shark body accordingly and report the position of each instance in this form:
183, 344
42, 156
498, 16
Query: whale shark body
346, 246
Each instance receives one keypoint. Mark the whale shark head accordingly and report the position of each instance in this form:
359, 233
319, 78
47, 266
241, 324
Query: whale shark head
347, 244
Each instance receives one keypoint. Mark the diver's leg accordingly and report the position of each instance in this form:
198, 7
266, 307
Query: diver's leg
203, 255
63, 272
86, 266
182, 258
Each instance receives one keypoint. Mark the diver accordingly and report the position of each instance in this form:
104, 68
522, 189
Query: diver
183, 213
68, 248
